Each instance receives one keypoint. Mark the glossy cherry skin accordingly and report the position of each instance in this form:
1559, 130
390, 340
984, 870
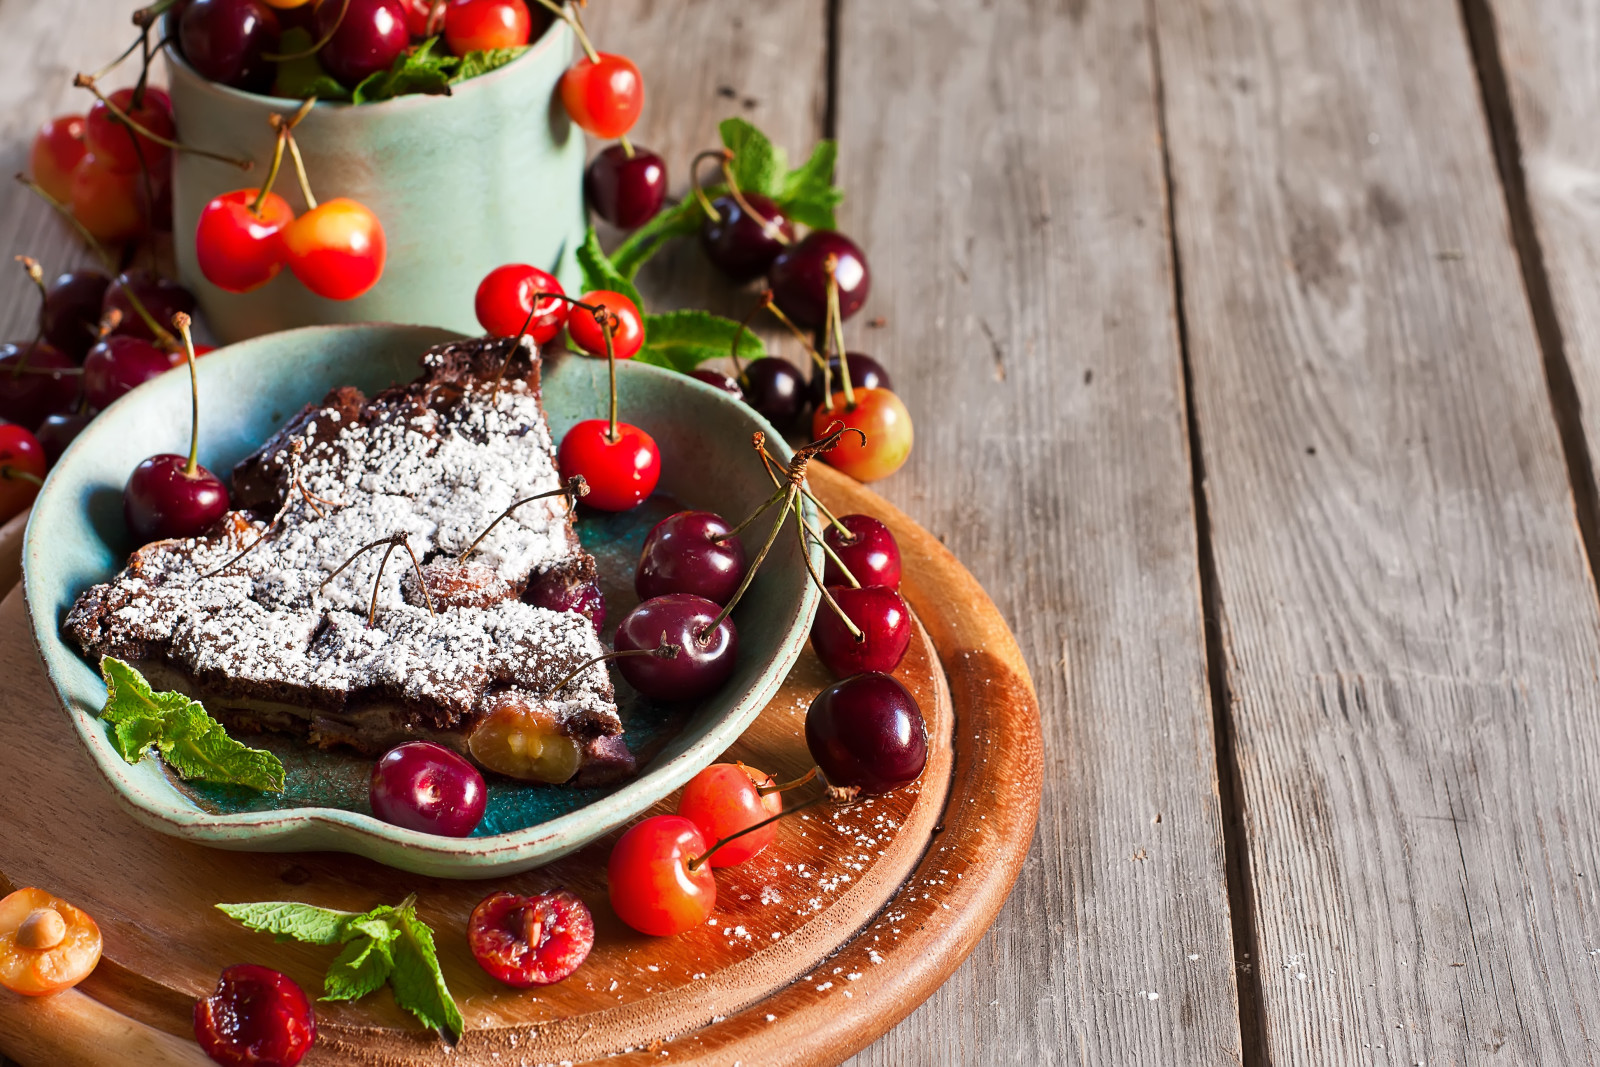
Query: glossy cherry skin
161, 500
627, 191
424, 18
621, 473
706, 657
33, 383
161, 298
603, 96
530, 941
369, 38
256, 1018
505, 298
880, 415
71, 313
484, 25
426, 787
724, 799
120, 363
237, 247
556, 592
718, 380
740, 245
337, 249
56, 432
109, 203
115, 143
869, 550
627, 335
652, 888
20, 453
57, 149
885, 624
681, 556
865, 373
228, 41
799, 278
775, 389
867, 731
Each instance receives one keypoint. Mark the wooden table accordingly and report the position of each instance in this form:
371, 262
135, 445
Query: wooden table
1255, 355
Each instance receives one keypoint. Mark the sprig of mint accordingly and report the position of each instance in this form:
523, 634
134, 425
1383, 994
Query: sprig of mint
417, 70
806, 193
385, 945
189, 740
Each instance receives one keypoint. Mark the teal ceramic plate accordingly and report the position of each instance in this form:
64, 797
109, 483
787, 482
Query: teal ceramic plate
76, 538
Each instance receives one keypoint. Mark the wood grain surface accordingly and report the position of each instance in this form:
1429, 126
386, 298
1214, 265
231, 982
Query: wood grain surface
1409, 623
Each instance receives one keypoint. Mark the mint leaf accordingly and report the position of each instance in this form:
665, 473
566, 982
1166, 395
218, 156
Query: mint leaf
417, 982
133, 737
416, 71
289, 919
128, 695
807, 193
302, 77
600, 273
758, 165
682, 340
362, 968
679, 220
476, 63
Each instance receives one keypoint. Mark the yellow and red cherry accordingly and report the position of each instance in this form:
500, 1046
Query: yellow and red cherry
656, 885
161, 298
110, 203
57, 149
485, 25
865, 373
73, 305
691, 552
56, 432
627, 190
120, 363
884, 623
424, 786
884, 420
799, 277
867, 732
603, 95
725, 799
505, 300
337, 249
363, 37
628, 332
424, 18
740, 244
775, 389
36, 380
717, 380
530, 941
228, 41
708, 647
257, 1017
22, 468
46, 944
238, 244
621, 470
868, 550
120, 147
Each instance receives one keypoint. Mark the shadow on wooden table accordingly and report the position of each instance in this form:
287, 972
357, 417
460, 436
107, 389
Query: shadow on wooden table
11, 567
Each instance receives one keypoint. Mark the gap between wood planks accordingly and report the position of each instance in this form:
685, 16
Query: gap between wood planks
1483, 42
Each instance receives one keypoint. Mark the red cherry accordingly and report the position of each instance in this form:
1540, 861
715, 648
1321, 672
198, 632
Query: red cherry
228, 41
256, 1018
682, 555
22, 460
505, 298
109, 202
424, 786
706, 656
724, 799
70, 317
424, 18
56, 432
604, 95
884, 622
120, 363
867, 731
880, 415
621, 472
530, 941
164, 499
627, 332
485, 25
626, 189
799, 277
337, 249
366, 36
35, 383
109, 138
240, 249
717, 380
652, 886
58, 147
869, 550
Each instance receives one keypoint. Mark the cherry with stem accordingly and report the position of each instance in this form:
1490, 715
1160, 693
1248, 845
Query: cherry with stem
87, 81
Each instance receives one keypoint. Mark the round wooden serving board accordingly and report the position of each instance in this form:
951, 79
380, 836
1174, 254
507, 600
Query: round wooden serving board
816, 947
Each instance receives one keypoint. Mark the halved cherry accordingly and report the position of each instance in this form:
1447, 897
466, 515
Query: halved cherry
530, 941
256, 1018
586, 333
239, 246
603, 95
46, 944
337, 249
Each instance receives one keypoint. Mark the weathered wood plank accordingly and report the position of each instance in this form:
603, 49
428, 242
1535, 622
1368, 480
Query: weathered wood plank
1410, 625
1003, 172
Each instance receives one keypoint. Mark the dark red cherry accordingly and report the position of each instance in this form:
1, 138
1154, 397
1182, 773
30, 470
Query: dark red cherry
36, 380
256, 1018
559, 591
706, 657
627, 191
682, 555
885, 624
119, 363
799, 278
163, 500
228, 41
719, 380
369, 38
530, 941
56, 432
72, 308
424, 786
868, 549
161, 298
741, 245
865, 373
868, 732
775, 389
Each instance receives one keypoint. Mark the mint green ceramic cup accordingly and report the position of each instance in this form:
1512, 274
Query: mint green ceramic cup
491, 174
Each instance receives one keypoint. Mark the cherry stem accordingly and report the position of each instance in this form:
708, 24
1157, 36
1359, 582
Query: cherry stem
799, 334
570, 18
836, 325
833, 520
768, 462
665, 650
393, 541
576, 487
280, 141
300, 171
627, 145
145, 17
805, 554
524, 339
752, 517
768, 790
695, 863
86, 81
608, 327
694, 182
65, 212
315, 48
181, 321
14, 474
36, 274
789, 494
768, 227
